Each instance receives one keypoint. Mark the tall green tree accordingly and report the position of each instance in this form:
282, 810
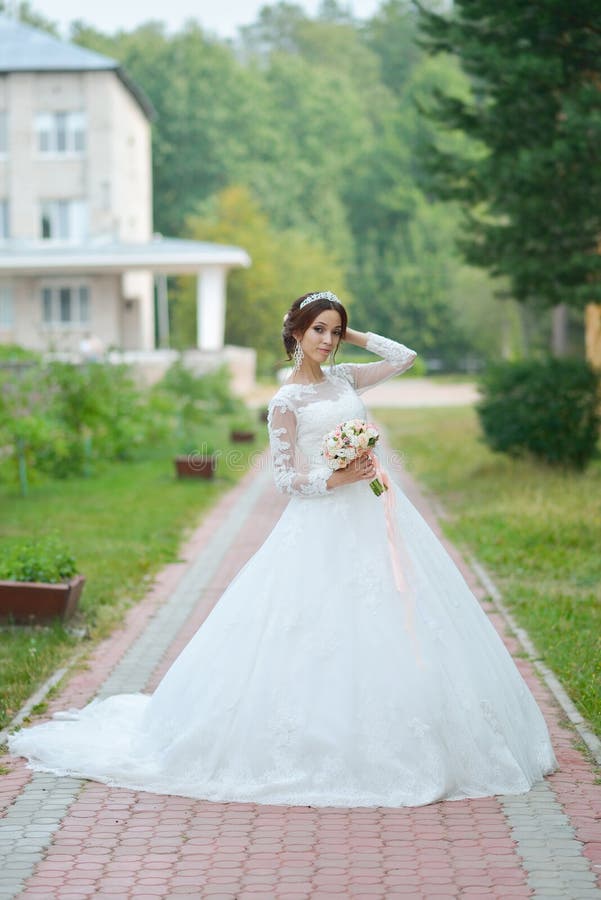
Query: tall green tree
285, 264
319, 80
405, 261
315, 118
205, 103
25, 13
533, 194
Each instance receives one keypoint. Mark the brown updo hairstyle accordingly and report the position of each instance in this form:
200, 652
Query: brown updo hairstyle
297, 319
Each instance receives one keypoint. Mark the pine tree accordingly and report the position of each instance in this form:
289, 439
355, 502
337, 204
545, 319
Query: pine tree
533, 192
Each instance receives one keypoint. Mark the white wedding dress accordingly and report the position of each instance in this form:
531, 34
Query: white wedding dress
314, 681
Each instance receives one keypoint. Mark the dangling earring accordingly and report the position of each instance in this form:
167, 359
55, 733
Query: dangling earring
298, 357
331, 358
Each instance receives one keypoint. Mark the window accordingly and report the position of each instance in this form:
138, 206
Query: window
61, 132
4, 221
47, 305
64, 297
66, 305
84, 303
3, 132
63, 220
7, 311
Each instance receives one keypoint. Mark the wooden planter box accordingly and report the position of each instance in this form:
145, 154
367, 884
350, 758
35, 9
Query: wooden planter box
195, 466
27, 602
242, 437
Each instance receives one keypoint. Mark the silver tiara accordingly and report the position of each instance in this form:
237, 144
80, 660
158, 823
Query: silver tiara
321, 295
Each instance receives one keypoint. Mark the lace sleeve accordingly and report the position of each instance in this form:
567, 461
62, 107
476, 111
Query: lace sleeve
281, 424
396, 358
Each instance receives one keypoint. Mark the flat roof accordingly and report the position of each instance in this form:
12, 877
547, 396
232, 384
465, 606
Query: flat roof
170, 256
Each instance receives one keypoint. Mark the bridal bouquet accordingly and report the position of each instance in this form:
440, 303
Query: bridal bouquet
350, 441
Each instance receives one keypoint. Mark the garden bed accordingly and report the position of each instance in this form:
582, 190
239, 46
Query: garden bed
37, 602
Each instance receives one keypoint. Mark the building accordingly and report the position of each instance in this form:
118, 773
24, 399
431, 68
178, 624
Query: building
78, 257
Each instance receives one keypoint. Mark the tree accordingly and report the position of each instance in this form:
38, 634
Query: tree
406, 285
406, 264
276, 29
24, 13
391, 33
318, 79
532, 196
285, 264
205, 122
315, 118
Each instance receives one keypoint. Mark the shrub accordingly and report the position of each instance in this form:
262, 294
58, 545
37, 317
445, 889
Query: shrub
100, 402
45, 559
15, 355
200, 395
58, 419
26, 430
547, 408
196, 401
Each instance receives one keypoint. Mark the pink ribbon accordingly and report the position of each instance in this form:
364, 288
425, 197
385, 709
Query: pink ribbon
394, 542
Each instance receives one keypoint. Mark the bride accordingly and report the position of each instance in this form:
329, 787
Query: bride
347, 664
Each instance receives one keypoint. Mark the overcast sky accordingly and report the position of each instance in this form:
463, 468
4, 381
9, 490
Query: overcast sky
218, 16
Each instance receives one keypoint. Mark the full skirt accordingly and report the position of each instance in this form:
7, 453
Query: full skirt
314, 681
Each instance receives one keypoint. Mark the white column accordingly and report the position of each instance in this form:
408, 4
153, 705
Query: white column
139, 286
210, 308
147, 313
160, 281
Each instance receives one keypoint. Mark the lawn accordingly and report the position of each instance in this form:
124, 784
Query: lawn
537, 530
122, 525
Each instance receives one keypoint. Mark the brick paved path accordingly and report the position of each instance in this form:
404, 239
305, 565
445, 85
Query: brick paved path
68, 838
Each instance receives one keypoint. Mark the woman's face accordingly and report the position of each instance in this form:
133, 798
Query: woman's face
322, 336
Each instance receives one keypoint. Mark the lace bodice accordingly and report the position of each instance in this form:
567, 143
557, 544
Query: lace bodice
301, 414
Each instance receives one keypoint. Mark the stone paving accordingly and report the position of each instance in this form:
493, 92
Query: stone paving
64, 837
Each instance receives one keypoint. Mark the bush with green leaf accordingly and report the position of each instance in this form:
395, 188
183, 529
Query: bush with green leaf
59, 419
200, 395
13, 356
196, 401
184, 393
243, 422
546, 408
101, 403
28, 431
45, 559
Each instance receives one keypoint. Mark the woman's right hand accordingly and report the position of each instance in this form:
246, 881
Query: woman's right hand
362, 469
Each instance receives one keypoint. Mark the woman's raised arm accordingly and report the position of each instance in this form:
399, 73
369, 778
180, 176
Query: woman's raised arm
396, 358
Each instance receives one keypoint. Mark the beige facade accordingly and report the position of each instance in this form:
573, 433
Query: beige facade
78, 258
31, 331
98, 186
110, 175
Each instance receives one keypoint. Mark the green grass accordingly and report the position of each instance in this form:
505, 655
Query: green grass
537, 530
122, 526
